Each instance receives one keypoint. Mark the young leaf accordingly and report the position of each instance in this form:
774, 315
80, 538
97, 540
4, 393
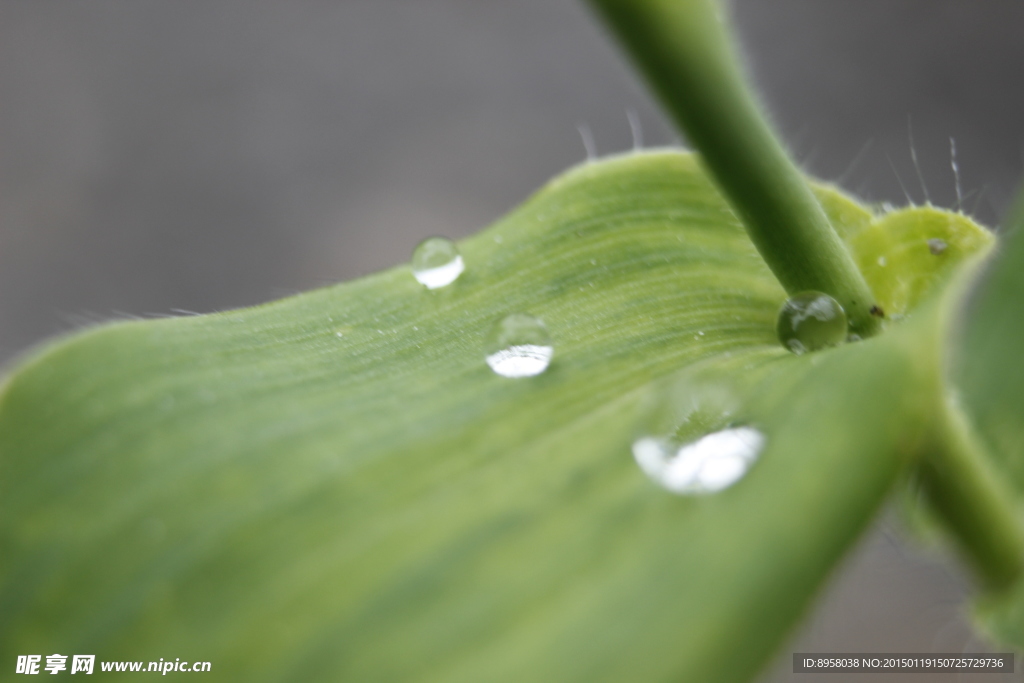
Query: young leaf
336, 486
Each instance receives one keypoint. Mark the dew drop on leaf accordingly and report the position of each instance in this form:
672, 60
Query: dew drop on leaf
937, 245
711, 463
518, 346
810, 321
436, 262
695, 436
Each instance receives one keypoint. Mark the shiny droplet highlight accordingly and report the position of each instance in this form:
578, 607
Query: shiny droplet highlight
518, 346
436, 262
712, 463
810, 321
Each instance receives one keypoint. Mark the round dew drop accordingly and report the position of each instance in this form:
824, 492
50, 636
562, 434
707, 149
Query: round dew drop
518, 346
436, 262
810, 321
710, 464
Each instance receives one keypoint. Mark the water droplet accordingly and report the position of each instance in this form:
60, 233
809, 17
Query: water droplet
436, 262
937, 246
712, 463
518, 346
810, 321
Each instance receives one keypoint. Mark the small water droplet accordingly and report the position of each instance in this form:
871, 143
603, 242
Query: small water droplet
436, 262
937, 246
712, 463
882, 262
518, 346
810, 321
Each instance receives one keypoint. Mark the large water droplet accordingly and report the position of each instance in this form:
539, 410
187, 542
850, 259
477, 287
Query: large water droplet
809, 321
436, 262
518, 346
709, 464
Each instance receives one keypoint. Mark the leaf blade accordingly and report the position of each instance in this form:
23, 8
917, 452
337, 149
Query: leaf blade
183, 484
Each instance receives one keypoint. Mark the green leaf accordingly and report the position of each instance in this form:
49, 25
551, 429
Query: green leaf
910, 252
336, 487
989, 372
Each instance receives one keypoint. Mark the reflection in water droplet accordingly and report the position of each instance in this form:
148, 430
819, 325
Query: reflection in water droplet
436, 262
810, 321
937, 246
518, 346
709, 464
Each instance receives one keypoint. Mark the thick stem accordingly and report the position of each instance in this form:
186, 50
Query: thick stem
683, 48
964, 492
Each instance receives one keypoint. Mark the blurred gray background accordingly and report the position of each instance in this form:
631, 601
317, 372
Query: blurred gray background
196, 155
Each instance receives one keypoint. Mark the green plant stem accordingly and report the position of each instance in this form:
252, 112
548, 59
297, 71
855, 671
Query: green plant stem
683, 48
965, 494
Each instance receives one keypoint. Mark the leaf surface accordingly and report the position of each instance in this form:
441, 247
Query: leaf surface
989, 371
336, 487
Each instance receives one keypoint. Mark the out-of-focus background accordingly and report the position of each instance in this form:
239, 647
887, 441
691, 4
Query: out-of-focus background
159, 156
